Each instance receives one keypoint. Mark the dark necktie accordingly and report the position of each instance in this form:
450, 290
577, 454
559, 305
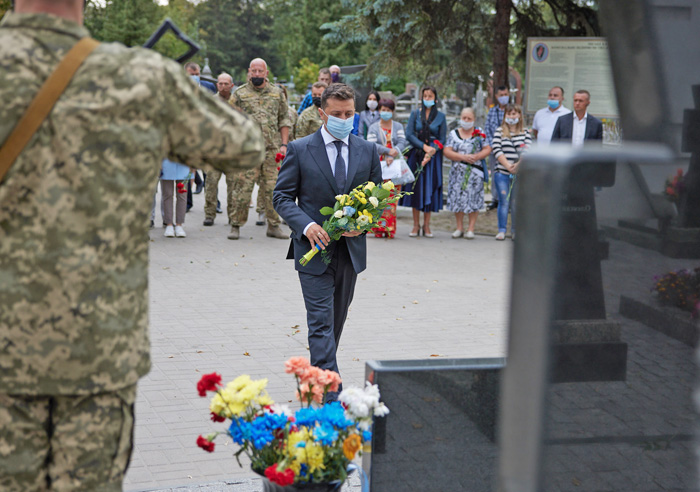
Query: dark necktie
339, 166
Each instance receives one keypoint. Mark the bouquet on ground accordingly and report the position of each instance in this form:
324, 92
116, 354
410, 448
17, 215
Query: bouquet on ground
359, 210
315, 444
674, 186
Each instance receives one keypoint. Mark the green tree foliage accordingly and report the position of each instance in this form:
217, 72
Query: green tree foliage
4, 6
438, 40
130, 22
234, 32
305, 73
298, 34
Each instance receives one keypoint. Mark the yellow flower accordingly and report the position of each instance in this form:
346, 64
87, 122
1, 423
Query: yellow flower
388, 186
363, 201
369, 186
314, 456
351, 445
218, 406
338, 197
239, 383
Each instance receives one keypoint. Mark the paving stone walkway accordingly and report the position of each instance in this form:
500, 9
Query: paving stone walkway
236, 307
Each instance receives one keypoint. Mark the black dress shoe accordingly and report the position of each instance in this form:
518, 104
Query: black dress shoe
198, 190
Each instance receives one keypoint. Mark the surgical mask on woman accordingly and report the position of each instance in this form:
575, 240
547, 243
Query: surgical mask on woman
512, 121
466, 125
386, 115
338, 127
428, 103
372, 104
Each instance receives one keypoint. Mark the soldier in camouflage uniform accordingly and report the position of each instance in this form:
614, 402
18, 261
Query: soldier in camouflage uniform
309, 120
267, 105
224, 84
74, 219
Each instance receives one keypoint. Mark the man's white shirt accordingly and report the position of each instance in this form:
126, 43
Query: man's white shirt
544, 122
578, 132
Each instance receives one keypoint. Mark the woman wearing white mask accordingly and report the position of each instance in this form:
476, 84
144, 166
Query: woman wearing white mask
370, 115
509, 142
426, 131
467, 147
391, 142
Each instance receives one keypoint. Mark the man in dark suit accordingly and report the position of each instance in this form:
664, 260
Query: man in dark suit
578, 126
316, 169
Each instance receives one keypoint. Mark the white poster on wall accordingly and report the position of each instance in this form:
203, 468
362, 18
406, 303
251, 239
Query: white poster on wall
573, 64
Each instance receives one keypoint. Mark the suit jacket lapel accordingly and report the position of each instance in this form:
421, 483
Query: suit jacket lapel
354, 156
317, 149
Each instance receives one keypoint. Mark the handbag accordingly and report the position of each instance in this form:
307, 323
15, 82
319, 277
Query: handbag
405, 174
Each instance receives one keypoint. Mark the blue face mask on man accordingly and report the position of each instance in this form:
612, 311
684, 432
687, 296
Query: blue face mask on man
195, 78
338, 127
553, 103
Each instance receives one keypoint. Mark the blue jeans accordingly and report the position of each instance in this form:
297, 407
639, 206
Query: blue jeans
501, 183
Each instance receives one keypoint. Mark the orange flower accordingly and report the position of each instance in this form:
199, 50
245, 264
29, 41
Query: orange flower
351, 445
297, 366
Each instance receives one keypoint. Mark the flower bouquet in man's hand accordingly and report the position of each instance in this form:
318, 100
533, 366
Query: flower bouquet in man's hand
358, 211
315, 444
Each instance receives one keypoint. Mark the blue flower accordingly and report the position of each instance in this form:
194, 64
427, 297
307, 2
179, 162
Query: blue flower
349, 211
334, 414
366, 436
240, 431
325, 434
306, 416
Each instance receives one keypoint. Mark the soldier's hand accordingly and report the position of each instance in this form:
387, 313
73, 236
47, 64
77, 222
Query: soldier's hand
317, 235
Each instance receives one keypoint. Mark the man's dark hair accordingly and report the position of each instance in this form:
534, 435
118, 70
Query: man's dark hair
501, 88
560, 88
387, 103
324, 70
584, 91
191, 65
342, 92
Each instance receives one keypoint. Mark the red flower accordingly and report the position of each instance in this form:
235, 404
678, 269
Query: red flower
181, 185
182, 191
209, 382
439, 145
679, 172
217, 418
205, 444
280, 478
278, 157
278, 168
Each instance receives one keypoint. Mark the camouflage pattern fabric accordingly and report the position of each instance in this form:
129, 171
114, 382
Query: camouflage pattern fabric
74, 208
293, 118
90, 441
211, 194
309, 122
269, 108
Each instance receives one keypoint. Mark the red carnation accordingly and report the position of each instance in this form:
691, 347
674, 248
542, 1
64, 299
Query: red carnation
217, 418
182, 191
280, 478
278, 157
209, 382
205, 444
181, 185
439, 145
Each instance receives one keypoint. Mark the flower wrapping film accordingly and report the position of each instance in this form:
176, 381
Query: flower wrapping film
359, 210
315, 444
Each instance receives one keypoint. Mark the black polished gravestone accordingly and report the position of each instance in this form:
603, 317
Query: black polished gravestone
440, 433
587, 346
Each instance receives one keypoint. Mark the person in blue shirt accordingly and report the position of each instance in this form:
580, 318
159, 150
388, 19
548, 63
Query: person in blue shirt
324, 75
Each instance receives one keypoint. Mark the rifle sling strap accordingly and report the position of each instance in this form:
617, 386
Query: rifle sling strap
43, 103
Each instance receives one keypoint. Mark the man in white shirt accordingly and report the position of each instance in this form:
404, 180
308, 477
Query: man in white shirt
546, 118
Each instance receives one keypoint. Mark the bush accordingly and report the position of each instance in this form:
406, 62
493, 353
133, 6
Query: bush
304, 74
680, 289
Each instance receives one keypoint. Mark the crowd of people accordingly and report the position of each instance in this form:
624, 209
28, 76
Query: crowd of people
478, 156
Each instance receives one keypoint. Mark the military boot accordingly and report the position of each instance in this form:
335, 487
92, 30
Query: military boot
235, 232
276, 232
209, 221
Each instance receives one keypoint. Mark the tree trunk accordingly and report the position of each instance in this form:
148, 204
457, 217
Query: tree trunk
501, 33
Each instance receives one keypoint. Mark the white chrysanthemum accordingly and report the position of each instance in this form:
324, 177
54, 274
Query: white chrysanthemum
374, 201
280, 409
338, 214
362, 220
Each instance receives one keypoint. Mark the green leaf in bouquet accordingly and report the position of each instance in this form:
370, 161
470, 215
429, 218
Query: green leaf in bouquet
327, 210
343, 221
381, 193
